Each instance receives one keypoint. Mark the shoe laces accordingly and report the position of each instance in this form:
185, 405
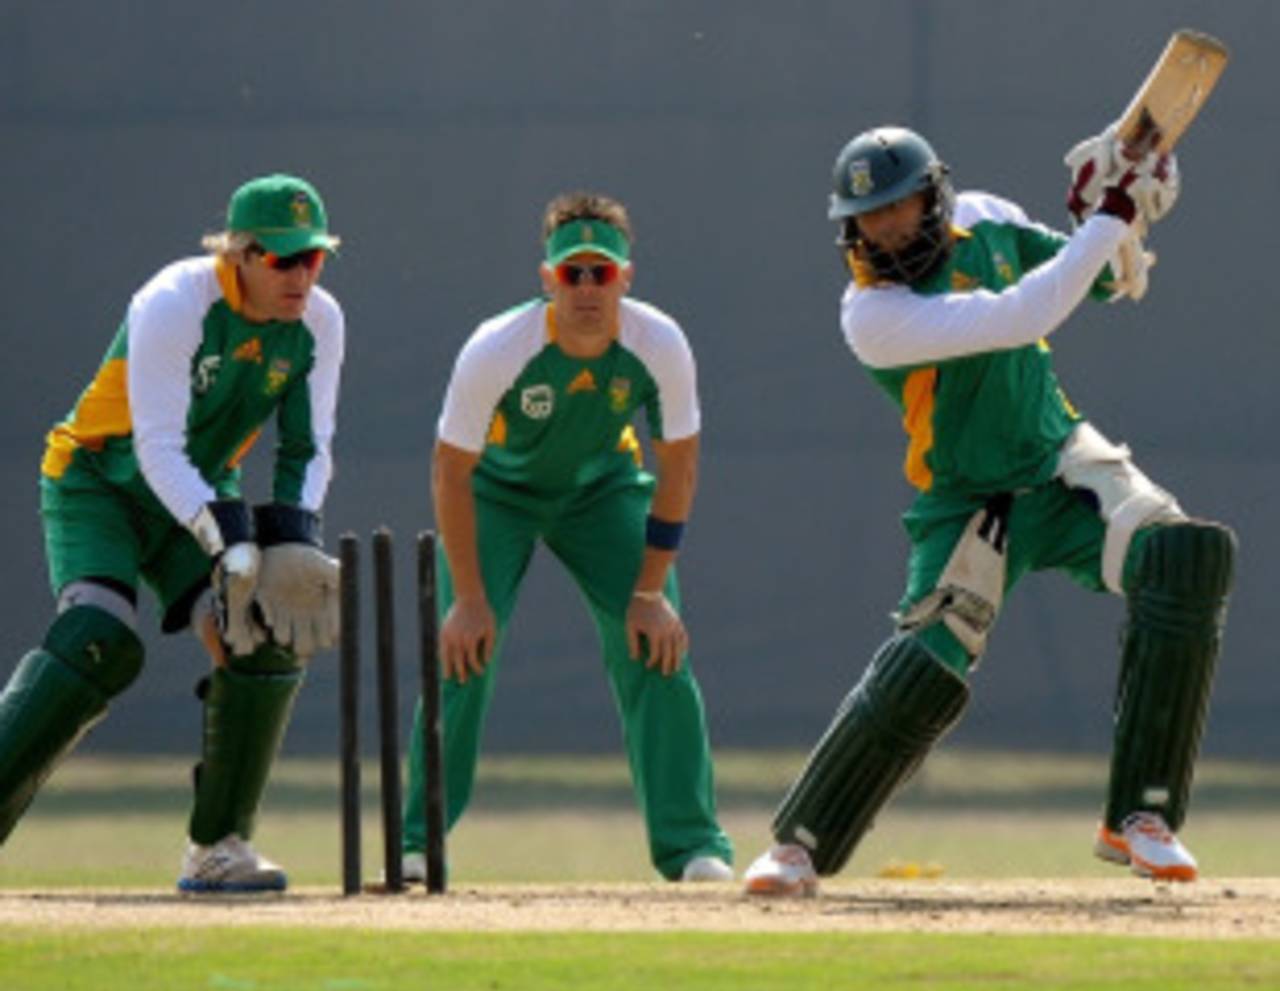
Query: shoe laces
791, 854
1149, 824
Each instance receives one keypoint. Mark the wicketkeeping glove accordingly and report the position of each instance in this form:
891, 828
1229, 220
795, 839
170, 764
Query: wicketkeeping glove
298, 594
235, 580
222, 530
298, 588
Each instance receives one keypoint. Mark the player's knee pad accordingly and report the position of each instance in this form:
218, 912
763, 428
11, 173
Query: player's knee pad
905, 702
105, 651
54, 697
1177, 586
247, 705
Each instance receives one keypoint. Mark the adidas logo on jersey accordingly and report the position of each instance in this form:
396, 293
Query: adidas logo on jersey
584, 381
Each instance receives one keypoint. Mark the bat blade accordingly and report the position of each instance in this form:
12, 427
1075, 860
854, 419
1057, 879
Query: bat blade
1172, 94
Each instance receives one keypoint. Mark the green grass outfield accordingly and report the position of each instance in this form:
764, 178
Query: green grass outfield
346, 960
120, 822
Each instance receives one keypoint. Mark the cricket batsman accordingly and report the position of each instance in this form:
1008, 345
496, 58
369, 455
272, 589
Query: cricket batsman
141, 482
950, 305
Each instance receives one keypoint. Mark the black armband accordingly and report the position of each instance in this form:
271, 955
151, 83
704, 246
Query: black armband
277, 523
662, 535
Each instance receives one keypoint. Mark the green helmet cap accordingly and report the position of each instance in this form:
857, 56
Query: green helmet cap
882, 166
283, 213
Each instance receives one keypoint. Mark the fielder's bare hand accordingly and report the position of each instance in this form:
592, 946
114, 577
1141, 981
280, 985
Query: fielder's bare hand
653, 618
467, 637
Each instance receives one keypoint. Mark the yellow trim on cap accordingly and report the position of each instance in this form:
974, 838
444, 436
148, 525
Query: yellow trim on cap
917, 420
102, 412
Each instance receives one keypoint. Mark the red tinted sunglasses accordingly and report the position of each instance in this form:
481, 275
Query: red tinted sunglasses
600, 275
309, 259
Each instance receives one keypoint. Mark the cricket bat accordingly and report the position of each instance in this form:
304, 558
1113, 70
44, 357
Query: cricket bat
1172, 94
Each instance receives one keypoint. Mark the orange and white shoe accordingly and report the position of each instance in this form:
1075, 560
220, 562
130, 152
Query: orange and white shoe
1148, 846
784, 869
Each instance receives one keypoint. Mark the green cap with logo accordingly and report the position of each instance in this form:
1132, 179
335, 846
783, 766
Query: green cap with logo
283, 213
578, 237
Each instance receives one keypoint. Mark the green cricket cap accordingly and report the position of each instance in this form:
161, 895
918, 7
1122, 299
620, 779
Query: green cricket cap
579, 236
283, 213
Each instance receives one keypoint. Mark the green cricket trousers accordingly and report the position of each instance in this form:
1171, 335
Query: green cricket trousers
600, 539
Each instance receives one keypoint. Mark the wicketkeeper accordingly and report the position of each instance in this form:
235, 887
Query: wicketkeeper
951, 301
142, 482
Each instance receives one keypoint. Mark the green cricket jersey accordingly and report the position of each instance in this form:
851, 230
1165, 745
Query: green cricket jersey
548, 425
186, 387
964, 355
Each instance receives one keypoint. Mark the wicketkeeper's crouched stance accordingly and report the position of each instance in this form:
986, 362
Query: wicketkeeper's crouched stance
142, 481
949, 305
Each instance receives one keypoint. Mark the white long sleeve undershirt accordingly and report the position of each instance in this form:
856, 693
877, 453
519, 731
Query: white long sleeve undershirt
891, 326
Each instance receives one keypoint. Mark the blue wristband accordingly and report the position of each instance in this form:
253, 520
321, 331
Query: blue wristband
661, 534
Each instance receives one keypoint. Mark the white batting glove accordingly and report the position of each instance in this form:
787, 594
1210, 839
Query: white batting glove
1131, 266
1155, 189
235, 578
298, 594
1095, 164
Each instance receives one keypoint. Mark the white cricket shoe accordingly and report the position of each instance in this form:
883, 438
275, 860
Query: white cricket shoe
1147, 844
231, 864
783, 869
707, 868
413, 867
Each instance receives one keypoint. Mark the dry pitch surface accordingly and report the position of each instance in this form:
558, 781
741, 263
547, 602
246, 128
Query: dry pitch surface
1210, 909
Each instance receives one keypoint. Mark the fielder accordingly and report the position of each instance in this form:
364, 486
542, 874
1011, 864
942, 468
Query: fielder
142, 481
949, 307
536, 443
